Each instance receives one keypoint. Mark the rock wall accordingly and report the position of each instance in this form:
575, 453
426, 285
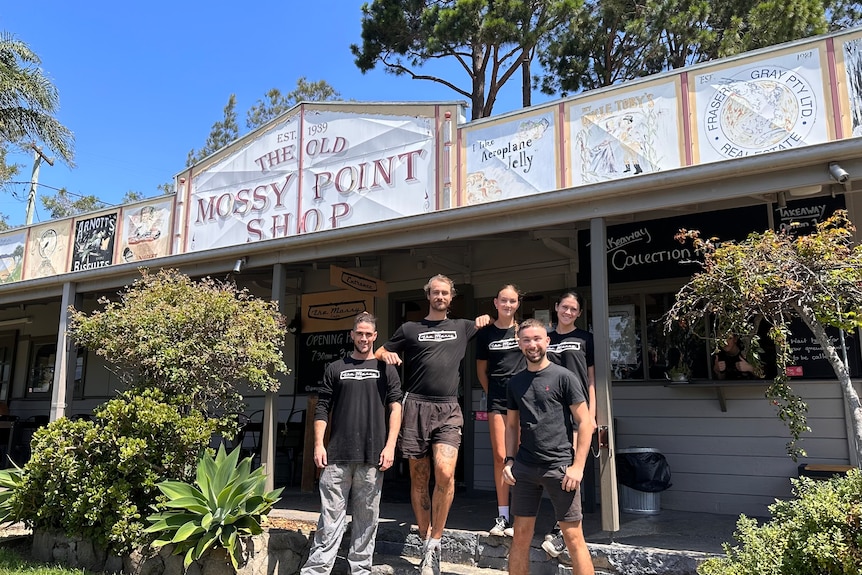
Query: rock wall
275, 551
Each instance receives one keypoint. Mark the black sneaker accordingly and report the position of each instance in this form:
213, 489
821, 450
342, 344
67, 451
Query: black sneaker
502, 528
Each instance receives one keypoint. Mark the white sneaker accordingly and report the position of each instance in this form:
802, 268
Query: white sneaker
430, 564
554, 546
502, 527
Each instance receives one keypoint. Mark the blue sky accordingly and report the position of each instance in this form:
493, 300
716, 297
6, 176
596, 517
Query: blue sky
141, 83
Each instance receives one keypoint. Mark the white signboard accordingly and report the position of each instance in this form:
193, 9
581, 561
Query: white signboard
249, 196
322, 171
361, 169
755, 107
510, 159
625, 133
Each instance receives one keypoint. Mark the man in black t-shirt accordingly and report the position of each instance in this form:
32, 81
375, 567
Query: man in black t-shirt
354, 398
433, 350
540, 400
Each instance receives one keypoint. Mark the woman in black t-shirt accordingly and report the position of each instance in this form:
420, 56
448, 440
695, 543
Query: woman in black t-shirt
498, 358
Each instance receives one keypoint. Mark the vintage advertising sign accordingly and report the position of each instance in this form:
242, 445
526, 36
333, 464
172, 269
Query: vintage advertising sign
511, 158
625, 133
94, 242
333, 310
146, 232
756, 106
12, 256
358, 169
321, 171
349, 279
47, 249
849, 52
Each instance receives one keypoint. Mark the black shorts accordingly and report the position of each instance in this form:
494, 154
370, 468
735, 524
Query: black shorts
497, 397
531, 480
426, 421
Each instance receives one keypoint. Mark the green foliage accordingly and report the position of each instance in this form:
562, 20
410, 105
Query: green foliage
817, 532
131, 196
776, 276
29, 101
490, 40
194, 340
10, 480
611, 41
61, 204
221, 134
225, 504
611, 53
95, 478
277, 103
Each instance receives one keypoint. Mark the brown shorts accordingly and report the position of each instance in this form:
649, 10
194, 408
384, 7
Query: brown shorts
426, 421
531, 480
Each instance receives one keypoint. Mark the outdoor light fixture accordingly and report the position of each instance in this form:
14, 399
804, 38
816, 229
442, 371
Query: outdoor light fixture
781, 199
237, 267
838, 173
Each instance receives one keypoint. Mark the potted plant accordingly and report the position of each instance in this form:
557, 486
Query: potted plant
679, 372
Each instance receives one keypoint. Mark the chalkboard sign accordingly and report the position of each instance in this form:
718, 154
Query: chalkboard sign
316, 351
648, 250
802, 216
808, 359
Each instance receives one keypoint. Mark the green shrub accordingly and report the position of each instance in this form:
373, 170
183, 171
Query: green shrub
225, 504
192, 339
817, 532
95, 479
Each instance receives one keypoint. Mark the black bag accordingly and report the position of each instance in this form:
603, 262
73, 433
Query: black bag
644, 471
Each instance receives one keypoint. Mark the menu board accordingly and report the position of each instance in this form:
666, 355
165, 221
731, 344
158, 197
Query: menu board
316, 351
800, 217
808, 360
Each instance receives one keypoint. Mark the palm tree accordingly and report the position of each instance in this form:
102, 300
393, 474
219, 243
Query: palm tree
28, 102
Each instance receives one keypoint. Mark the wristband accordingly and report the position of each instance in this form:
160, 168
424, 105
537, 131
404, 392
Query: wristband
508, 459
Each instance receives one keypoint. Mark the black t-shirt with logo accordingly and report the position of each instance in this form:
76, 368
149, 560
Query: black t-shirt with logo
574, 351
353, 400
499, 347
433, 351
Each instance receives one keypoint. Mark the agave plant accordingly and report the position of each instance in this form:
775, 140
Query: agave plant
225, 505
10, 480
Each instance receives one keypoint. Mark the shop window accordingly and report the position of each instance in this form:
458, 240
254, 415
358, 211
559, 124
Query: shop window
624, 338
40, 377
7, 353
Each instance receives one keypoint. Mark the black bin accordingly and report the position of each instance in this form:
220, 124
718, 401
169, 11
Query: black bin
643, 473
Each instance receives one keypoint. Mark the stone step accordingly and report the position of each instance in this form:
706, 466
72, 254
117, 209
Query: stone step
479, 550
389, 565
